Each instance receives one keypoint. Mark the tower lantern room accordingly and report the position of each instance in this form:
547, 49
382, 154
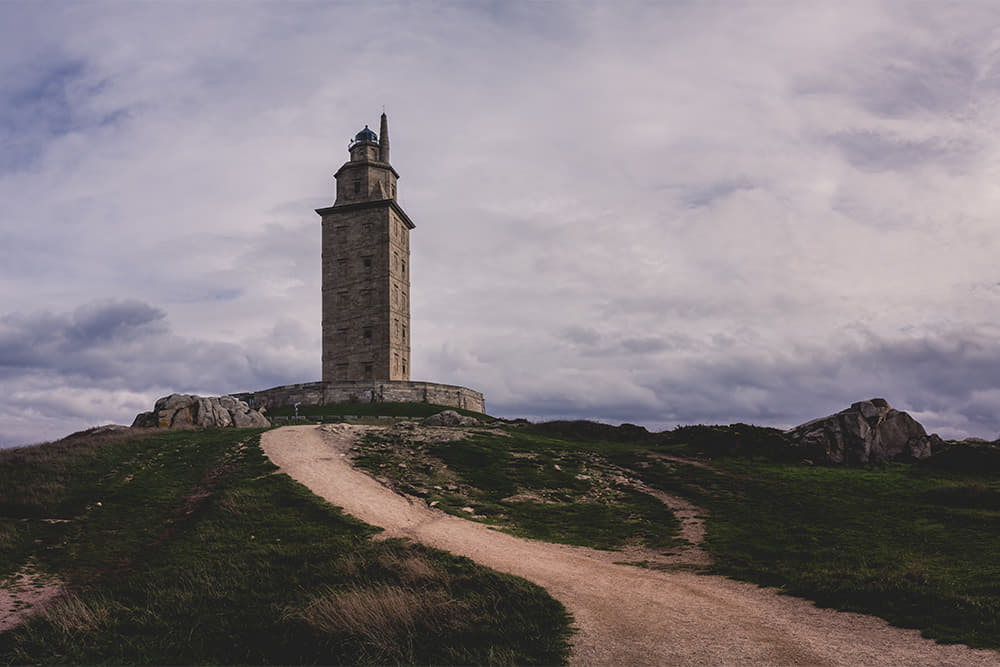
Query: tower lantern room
367, 176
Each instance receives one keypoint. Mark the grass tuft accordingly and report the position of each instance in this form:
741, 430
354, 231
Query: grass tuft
388, 619
72, 614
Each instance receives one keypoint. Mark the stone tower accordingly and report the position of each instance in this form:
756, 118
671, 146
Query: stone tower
366, 277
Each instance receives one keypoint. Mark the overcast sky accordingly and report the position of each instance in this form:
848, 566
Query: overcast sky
660, 212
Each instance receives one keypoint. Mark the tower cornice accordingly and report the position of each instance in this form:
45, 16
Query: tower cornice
378, 203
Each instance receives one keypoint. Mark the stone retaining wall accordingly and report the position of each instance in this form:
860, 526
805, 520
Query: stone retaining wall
329, 393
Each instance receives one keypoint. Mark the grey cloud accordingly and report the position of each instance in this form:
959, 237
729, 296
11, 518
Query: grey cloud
949, 376
872, 151
641, 346
904, 85
49, 341
126, 349
705, 195
581, 335
893, 75
45, 99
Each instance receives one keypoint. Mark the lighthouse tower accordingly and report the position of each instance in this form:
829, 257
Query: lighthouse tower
366, 268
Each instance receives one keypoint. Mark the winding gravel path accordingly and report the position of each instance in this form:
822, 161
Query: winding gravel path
624, 615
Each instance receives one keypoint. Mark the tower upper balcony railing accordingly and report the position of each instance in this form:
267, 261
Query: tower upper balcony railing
355, 142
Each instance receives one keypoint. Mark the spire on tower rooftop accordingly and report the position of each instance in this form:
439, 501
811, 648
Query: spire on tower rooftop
383, 139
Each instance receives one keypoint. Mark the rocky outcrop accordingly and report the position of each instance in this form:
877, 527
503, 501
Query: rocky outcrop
866, 432
188, 411
450, 418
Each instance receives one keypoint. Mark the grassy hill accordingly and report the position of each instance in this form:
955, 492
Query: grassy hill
184, 547
914, 543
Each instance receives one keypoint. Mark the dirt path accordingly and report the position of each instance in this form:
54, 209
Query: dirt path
624, 614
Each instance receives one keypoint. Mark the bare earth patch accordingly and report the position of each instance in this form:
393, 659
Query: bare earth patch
25, 593
623, 614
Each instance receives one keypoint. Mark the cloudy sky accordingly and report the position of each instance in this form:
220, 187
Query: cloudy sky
660, 212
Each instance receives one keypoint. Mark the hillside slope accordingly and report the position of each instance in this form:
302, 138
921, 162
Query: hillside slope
625, 615
185, 547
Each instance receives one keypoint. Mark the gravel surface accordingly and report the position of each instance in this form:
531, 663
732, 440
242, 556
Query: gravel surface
624, 615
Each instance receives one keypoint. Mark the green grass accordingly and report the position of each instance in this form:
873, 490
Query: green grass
913, 545
916, 544
199, 553
384, 409
530, 484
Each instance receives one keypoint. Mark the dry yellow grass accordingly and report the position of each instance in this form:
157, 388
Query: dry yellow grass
387, 617
71, 614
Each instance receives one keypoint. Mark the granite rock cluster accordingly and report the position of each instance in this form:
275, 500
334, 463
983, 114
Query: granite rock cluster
189, 411
867, 432
450, 418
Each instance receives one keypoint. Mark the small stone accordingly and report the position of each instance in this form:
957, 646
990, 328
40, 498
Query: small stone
468, 510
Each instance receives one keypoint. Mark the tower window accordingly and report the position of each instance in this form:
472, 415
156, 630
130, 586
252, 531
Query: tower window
402, 267
367, 333
357, 187
404, 332
366, 261
368, 370
404, 366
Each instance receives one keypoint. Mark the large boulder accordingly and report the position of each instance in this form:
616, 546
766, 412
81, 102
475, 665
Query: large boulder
189, 411
450, 418
866, 432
